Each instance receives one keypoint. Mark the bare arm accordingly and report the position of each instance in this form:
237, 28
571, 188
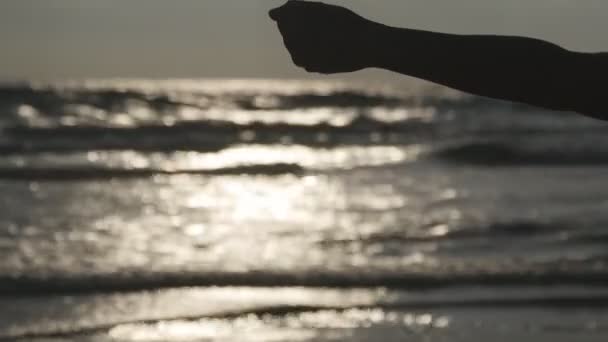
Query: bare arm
510, 68
330, 39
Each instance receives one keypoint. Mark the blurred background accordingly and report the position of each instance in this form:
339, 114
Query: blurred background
167, 174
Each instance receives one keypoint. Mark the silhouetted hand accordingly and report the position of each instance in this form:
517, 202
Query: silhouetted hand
324, 38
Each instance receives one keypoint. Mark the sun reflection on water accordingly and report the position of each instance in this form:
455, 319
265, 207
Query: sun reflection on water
341, 214
251, 222
343, 157
205, 218
323, 325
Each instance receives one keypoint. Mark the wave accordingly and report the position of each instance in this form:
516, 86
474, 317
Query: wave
205, 136
28, 285
50, 105
362, 99
278, 312
506, 154
529, 147
56, 101
101, 173
281, 312
55, 118
497, 230
49, 98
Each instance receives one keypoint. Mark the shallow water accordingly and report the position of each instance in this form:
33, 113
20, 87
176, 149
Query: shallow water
284, 210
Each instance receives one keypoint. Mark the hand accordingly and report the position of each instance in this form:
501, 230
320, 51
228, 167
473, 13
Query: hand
325, 38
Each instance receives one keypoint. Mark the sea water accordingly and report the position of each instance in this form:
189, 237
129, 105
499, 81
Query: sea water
268, 210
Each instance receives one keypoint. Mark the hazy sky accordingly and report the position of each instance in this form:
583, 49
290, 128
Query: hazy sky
234, 38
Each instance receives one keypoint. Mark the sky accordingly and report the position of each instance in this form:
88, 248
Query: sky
76, 39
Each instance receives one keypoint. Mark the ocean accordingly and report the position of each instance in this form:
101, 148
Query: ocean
275, 210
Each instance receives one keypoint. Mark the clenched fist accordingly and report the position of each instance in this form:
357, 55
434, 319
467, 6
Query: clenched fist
325, 38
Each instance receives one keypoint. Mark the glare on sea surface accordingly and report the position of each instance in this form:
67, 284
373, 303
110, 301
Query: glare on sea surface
312, 159
320, 325
260, 199
217, 303
247, 221
340, 157
245, 329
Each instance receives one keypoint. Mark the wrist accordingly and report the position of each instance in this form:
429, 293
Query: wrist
375, 47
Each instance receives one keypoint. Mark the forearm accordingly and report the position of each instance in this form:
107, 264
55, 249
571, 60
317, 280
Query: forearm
510, 68
331, 39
